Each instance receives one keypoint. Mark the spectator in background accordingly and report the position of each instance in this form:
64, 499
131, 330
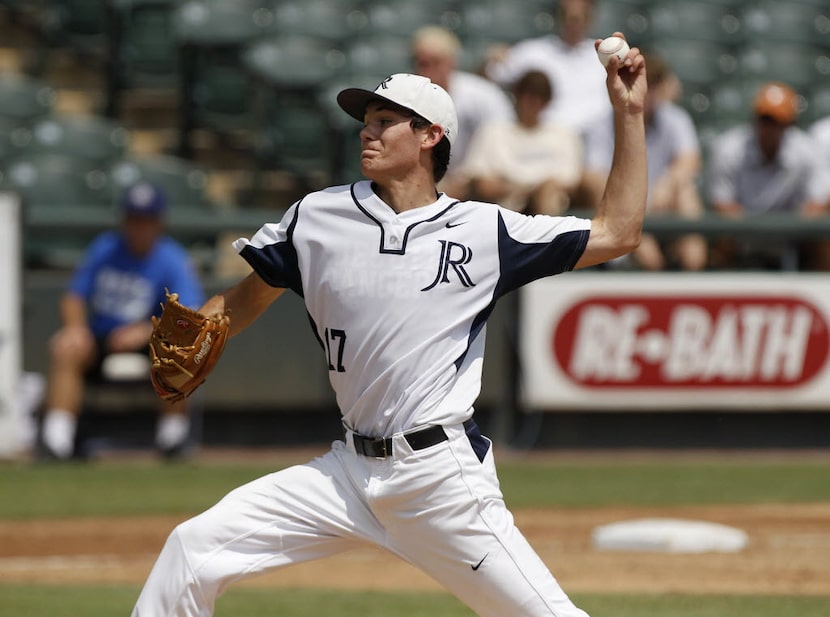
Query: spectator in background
674, 166
820, 133
570, 61
106, 310
435, 52
770, 166
525, 164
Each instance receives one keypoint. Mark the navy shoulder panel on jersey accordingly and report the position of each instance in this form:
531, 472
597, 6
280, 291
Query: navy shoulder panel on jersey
277, 263
521, 263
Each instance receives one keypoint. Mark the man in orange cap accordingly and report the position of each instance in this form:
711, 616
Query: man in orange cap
769, 166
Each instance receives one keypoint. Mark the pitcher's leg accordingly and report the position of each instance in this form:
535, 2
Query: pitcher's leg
468, 540
297, 514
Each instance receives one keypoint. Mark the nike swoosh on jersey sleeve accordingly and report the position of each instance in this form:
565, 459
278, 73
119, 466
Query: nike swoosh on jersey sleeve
533, 247
271, 252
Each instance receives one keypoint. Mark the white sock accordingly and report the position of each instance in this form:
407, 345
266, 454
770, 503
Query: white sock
59, 432
172, 430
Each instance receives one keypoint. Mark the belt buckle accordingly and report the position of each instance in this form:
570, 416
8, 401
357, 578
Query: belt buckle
384, 452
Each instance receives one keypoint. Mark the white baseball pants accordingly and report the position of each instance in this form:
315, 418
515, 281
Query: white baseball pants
439, 508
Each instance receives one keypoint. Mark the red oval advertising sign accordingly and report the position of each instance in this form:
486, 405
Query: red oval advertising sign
713, 341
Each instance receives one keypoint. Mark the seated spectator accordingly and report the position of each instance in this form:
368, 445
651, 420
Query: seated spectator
674, 165
820, 132
525, 164
569, 60
106, 310
435, 52
770, 166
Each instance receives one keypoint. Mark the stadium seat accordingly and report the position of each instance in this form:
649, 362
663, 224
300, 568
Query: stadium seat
55, 180
629, 16
697, 64
696, 20
95, 139
297, 62
501, 21
184, 182
818, 103
731, 103
290, 71
142, 53
801, 66
335, 21
216, 93
793, 22
78, 24
23, 99
378, 55
52, 187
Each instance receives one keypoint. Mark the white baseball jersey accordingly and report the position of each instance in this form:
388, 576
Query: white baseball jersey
399, 301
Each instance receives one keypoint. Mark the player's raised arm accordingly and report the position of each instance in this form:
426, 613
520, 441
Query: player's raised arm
616, 228
244, 302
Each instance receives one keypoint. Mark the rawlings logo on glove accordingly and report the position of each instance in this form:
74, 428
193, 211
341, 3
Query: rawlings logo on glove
184, 347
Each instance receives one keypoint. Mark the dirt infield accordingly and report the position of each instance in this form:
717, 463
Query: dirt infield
788, 553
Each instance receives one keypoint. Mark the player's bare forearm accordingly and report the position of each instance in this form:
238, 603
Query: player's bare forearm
623, 205
617, 227
243, 303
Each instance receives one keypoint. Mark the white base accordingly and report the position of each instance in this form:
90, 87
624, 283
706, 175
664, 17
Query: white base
668, 535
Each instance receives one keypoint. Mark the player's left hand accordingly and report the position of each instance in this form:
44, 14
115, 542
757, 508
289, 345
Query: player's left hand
626, 80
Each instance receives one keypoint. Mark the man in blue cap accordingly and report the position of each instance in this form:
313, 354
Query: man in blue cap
106, 310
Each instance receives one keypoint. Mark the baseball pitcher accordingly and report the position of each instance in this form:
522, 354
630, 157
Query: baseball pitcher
398, 281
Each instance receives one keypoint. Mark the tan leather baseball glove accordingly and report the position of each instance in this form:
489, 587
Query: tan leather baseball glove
184, 347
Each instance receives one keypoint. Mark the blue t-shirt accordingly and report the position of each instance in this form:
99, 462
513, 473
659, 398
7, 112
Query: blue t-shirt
120, 288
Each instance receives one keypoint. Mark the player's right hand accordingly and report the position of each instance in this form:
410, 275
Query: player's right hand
626, 81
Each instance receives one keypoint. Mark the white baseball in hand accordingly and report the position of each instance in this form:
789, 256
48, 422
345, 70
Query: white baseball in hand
612, 46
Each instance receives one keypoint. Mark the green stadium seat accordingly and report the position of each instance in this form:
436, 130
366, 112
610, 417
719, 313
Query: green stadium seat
697, 64
696, 20
818, 103
380, 54
23, 99
298, 63
216, 92
142, 53
800, 66
793, 22
501, 21
184, 182
54, 180
336, 21
78, 24
629, 16
290, 71
95, 139
732, 103
52, 187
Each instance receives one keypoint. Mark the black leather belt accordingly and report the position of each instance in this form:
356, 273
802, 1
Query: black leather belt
381, 447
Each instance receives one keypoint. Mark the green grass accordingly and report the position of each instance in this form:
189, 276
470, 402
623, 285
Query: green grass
106, 601
665, 483
147, 487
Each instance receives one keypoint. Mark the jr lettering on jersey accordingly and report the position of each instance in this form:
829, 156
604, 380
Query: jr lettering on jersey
455, 256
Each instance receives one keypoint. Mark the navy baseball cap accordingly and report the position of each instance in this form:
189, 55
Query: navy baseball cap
144, 199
